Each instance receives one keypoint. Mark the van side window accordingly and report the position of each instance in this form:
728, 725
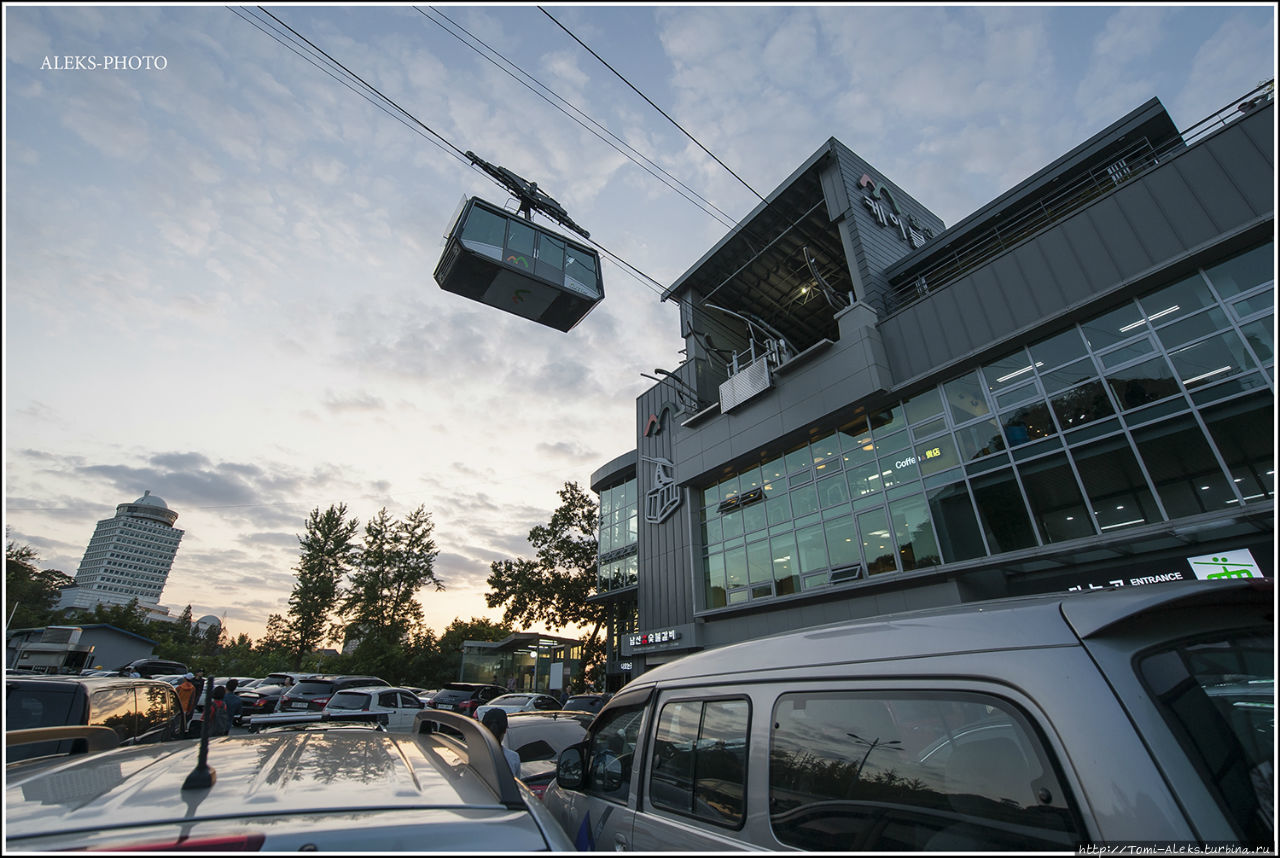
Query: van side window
115, 708
913, 771
611, 749
700, 759
155, 714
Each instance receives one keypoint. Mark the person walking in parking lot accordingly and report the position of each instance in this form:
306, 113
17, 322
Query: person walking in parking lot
496, 721
187, 697
233, 701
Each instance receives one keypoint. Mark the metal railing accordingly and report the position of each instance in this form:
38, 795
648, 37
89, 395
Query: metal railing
1046, 211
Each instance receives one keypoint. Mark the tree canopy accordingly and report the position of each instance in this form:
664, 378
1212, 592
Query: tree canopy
553, 588
30, 593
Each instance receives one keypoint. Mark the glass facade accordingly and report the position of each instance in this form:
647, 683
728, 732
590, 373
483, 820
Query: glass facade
1154, 410
617, 538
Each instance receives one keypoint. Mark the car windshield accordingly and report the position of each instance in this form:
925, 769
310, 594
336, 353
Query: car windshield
510, 700
349, 700
1218, 692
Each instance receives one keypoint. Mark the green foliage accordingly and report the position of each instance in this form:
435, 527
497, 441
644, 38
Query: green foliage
379, 604
29, 589
554, 587
328, 553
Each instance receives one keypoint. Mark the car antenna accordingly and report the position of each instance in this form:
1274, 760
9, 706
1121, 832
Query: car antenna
203, 775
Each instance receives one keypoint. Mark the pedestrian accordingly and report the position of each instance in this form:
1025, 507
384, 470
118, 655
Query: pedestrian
219, 718
187, 697
198, 680
496, 721
234, 703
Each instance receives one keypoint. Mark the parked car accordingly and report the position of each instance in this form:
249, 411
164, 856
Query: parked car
264, 698
400, 705
586, 702
465, 697
314, 692
538, 738
138, 710
348, 789
1018, 725
148, 668
510, 703
424, 694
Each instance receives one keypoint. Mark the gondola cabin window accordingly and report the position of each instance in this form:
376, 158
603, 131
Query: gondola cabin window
503, 260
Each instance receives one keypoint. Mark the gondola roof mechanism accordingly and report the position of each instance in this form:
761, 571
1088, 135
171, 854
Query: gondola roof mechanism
506, 261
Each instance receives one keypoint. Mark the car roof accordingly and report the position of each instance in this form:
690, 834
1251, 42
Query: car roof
1053, 619
264, 774
372, 689
91, 683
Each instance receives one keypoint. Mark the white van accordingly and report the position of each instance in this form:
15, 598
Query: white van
1032, 724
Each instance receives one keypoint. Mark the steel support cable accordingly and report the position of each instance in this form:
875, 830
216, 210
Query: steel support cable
257, 22
374, 89
630, 269
582, 113
651, 104
701, 202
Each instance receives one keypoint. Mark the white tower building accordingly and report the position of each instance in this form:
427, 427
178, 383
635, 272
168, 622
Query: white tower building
128, 557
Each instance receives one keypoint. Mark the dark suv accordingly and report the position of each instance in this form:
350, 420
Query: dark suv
313, 693
139, 710
465, 697
149, 668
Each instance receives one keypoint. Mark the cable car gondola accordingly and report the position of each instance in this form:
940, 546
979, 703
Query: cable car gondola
506, 261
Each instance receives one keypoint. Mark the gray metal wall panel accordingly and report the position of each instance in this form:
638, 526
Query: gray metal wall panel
1014, 292
1150, 224
1215, 190
1069, 274
1186, 218
1092, 253
1112, 225
1239, 156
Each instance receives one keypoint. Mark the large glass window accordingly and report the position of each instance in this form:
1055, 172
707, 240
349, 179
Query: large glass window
913, 530
1059, 510
1144, 382
611, 753
1115, 484
485, 232
786, 568
1244, 271
877, 545
957, 528
1009, 371
1058, 349
1027, 423
1260, 334
1210, 360
1114, 327
921, 771
966, 397
1186, 475
1173, 302
1002, 512
1082, 405
1243, 430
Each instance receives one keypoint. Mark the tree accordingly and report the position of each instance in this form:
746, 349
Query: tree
32, 591
328, 552
554, 587
396, 560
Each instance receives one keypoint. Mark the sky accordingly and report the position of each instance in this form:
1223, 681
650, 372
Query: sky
218, 273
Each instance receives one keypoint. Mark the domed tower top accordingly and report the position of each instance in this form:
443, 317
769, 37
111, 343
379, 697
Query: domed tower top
149, 506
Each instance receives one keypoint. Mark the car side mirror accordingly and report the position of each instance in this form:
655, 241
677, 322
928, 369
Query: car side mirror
569, 768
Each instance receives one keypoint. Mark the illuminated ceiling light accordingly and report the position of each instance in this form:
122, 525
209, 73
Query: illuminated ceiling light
1166, 311
1017, 372
1209, 374
1123, 523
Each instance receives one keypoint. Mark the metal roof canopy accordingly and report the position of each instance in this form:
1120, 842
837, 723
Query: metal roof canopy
759, 267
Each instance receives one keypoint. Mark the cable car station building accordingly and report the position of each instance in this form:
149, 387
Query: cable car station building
1073, 387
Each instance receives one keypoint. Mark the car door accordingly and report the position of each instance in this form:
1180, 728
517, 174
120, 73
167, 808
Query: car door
398, 710
601, 816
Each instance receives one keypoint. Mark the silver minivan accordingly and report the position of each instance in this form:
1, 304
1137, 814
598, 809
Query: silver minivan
1030, 724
